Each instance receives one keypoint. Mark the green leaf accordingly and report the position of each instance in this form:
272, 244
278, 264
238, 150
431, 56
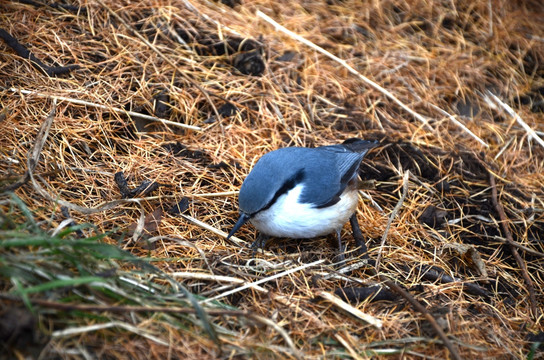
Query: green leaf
25, 210
107, 251
54, 284
40, 240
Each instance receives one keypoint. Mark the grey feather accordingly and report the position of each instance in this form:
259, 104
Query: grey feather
324, 171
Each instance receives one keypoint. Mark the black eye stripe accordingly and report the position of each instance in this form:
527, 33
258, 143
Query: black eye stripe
288, 185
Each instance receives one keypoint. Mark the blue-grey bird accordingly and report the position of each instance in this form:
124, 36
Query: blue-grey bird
298, 192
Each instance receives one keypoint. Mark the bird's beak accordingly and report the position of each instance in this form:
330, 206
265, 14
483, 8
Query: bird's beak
241, 221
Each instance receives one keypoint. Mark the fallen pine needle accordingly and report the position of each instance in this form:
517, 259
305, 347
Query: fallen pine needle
392, 216
347, 66
216, 231
348, 347
266, 279
107, 108
352, 310
530, 132
460, 124
85, 329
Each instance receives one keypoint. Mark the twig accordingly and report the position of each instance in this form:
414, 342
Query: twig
530, 132
210, 277
140, 224
392, 216
417, 305
34, 154
519, 246
100, 326
460, 124
107, 108
347, 66
216, 194
269, 278
353, 311
216, 231
509, 238
234, 239
372, 201
123, 308
281, 331
152, 309
284, 300
348, 347
167, 59
23, 52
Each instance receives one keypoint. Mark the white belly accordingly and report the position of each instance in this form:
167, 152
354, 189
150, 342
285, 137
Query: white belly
288, 218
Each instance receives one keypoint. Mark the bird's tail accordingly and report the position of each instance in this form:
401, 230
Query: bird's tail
359, 145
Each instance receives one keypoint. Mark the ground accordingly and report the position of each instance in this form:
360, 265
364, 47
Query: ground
128, 128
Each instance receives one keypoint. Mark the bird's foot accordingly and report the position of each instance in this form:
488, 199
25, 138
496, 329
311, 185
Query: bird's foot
358, 236
259, 243
341, 249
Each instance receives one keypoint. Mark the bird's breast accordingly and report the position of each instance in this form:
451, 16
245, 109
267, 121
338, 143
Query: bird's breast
289, 218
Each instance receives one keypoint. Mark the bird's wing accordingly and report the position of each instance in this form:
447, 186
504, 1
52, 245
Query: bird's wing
328, 177
324, 173
349, 156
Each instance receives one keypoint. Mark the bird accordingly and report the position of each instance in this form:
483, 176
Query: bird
300, 192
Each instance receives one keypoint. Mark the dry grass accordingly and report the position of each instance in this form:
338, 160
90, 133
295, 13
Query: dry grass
435, 57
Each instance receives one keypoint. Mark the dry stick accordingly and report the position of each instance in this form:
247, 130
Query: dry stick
167, 59
216, 194
214, 230
392, 216
269, 278
459, 124
504, 224
350, 309
164, 309
284, 300
396, 288
68, 332
107, 108
368, 81
348, 347
519, 246
530, 132
234, 239
417, 305
33, 159
347, 66
34, 153
139, 227
282, 332
124, 308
